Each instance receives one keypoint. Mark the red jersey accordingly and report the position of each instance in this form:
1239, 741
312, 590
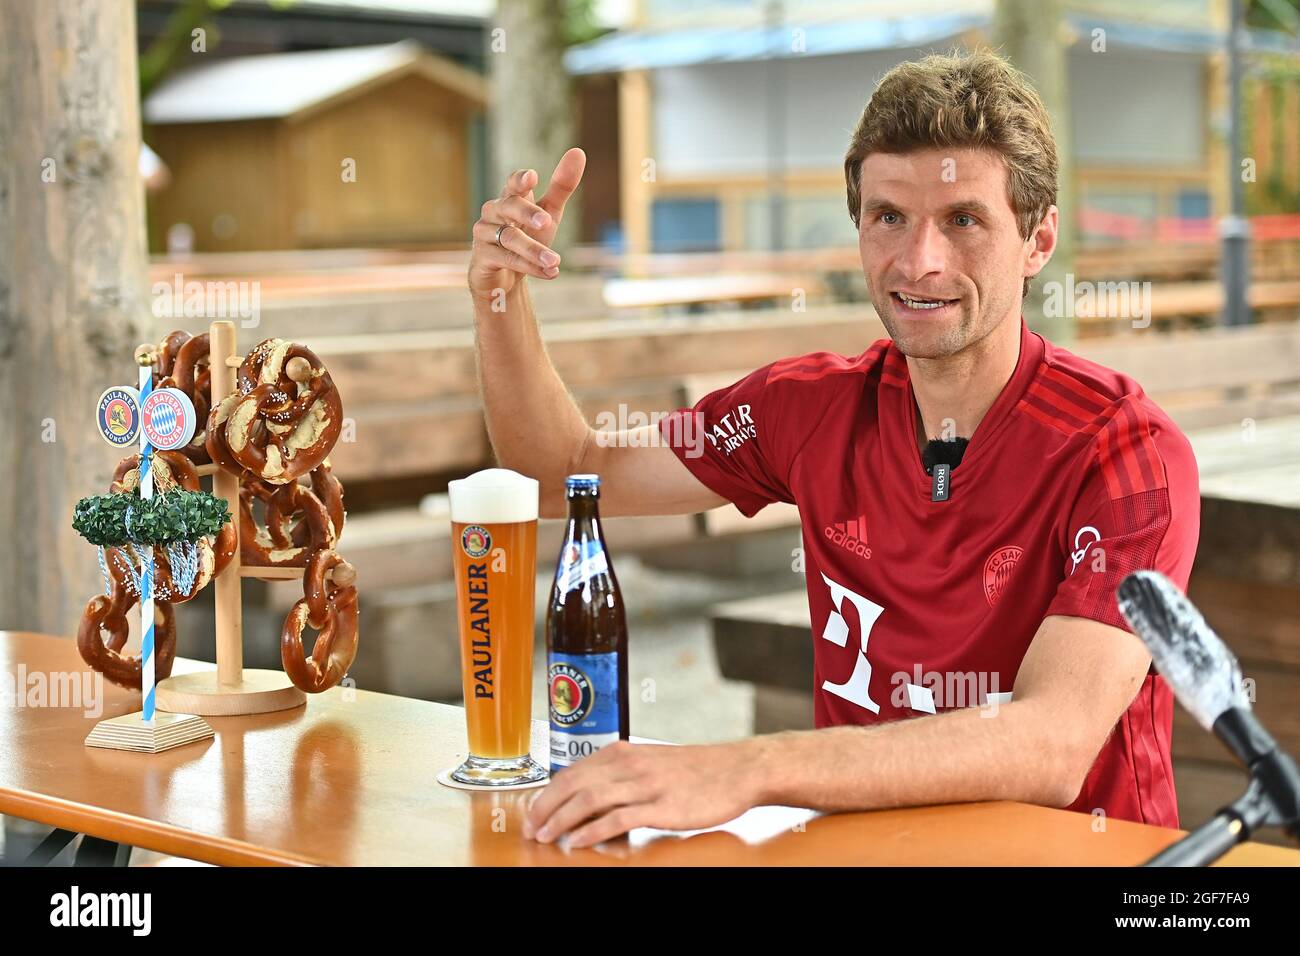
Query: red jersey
1073, 479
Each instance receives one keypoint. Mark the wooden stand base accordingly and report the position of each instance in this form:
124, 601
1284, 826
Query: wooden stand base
130, 732
259, 692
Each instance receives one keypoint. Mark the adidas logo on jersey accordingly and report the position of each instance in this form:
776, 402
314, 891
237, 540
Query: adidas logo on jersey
850, 535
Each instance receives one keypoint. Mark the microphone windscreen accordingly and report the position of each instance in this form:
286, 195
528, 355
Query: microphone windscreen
1203, 673
943, 451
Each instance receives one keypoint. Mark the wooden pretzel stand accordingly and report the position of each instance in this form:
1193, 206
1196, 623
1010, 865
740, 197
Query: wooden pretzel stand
230, 689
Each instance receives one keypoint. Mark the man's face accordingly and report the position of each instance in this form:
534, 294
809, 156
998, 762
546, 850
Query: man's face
941, 253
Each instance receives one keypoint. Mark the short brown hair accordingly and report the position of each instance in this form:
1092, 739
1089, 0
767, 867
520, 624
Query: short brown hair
962, 101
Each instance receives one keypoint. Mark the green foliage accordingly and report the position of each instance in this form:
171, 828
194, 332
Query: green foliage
580, 23
177, 515
174, 41
100, 519
1265, 90
1279, 15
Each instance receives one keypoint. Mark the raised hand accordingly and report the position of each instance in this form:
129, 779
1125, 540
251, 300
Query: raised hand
513, 234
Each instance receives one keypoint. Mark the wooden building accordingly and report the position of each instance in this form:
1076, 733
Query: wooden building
728, 120
359, 146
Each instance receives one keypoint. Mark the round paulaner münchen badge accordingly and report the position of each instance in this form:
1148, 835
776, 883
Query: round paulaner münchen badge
476, 541
572, 695
118, 415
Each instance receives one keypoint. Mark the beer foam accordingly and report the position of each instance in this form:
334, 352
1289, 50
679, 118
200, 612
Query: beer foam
493, 496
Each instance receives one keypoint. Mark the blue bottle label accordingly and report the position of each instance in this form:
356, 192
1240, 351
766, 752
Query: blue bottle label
580, 561
584, 705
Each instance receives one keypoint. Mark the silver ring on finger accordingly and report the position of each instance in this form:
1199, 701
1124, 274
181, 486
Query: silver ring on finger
500, 229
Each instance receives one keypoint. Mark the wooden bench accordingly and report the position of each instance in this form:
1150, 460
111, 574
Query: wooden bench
1172, 302
311, 308
429, 425
427, 419
712, 290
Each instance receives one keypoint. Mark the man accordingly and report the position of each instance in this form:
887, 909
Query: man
997, 572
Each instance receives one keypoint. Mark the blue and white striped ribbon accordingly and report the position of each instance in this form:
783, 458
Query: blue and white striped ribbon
146, 559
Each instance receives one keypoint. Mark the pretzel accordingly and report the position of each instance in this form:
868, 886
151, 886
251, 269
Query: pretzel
169, 468
173, 469
167, 350
329, 608
182, 362
282, 543
193, 355
311, 530
106, 613
330, 491
283, 418
277, 427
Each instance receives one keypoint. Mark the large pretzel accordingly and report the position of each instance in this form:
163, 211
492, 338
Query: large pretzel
329, 607
309, 529
282, 543
283, 418
168, 349
183, 363
106, 613
171, 468
278, 425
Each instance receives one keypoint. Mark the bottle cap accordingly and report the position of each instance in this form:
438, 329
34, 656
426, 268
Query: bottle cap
582, 483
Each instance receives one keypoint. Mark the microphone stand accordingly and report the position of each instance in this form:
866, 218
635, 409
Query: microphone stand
1272, 774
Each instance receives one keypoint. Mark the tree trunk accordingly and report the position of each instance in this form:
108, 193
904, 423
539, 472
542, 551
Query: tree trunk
72, 286
1030, 33
532, 99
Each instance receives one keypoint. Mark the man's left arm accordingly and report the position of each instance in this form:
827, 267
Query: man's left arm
1077, 678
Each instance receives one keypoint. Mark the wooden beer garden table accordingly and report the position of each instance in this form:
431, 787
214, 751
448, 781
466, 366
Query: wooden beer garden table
349, 780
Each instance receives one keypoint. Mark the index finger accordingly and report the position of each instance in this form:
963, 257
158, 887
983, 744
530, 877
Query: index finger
520, 183
565, 179
551, 798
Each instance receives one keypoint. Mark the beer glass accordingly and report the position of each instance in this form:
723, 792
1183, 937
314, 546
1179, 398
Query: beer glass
494, 551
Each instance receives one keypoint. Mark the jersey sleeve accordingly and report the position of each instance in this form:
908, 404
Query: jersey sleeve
1138, 507
735, 441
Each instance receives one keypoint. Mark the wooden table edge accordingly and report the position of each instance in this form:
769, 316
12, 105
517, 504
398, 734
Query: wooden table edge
144, 833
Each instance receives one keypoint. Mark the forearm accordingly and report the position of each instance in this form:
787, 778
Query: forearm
533, 423
955, 757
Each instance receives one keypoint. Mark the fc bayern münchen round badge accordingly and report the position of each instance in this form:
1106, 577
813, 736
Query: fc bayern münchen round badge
168, 419
118, 415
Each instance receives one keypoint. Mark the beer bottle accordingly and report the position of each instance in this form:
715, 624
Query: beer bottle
586, 636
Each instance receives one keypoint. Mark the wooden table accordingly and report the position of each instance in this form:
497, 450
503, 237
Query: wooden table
349, 779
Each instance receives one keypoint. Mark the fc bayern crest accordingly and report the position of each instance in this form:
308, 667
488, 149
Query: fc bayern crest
168, 419
997, 571
118, 415
476, 541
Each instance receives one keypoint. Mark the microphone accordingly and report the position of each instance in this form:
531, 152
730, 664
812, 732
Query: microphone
1206, 679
